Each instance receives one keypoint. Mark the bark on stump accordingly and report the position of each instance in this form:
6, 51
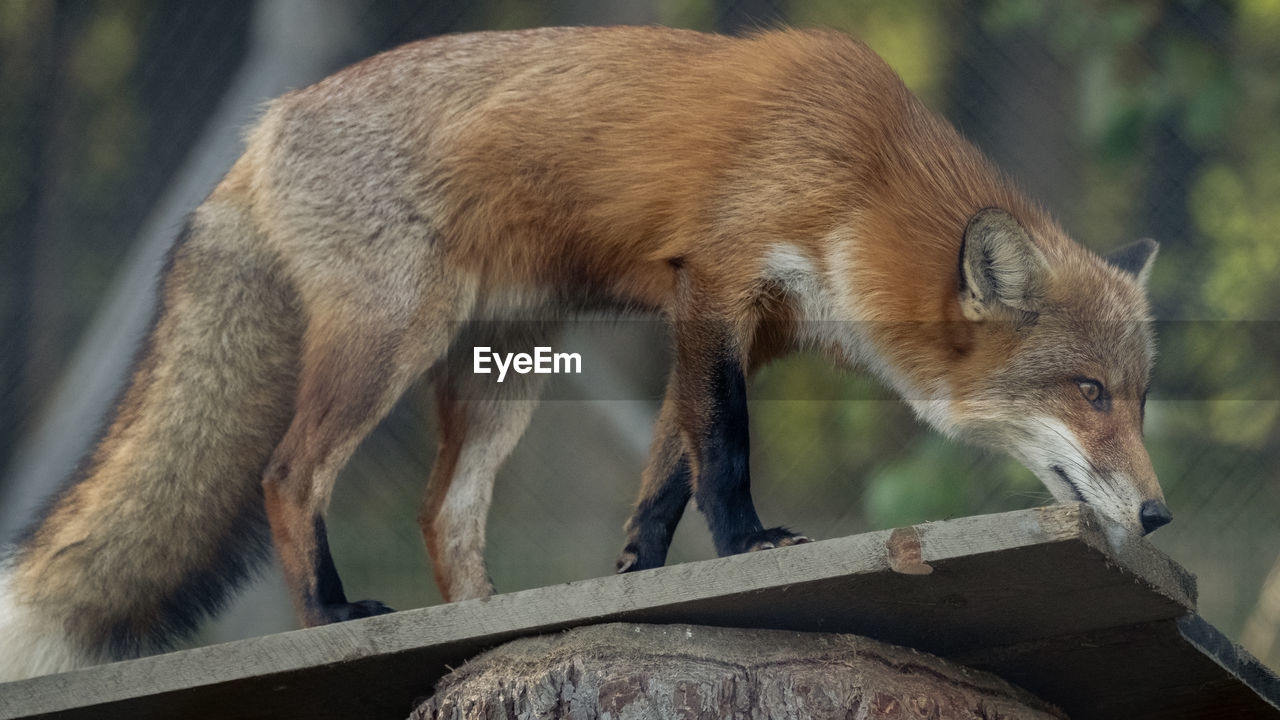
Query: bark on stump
680, 671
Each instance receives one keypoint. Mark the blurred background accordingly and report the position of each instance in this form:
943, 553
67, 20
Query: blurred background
1157, 118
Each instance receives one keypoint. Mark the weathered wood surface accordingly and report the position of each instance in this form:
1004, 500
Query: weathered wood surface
695, 671
960, 588
1166, 669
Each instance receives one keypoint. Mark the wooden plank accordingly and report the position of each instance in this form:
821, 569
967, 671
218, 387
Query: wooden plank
1180, 668
949, 587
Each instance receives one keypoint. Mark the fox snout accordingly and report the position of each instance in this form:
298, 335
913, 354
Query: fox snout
1153, 515
1116, 478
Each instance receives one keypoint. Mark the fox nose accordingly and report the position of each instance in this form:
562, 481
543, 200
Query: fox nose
1154, 515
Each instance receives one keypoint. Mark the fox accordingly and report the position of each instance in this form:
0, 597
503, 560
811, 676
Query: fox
765, 194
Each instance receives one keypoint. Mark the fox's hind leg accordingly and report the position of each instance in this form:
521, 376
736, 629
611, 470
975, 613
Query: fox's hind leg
358, 357
481, 420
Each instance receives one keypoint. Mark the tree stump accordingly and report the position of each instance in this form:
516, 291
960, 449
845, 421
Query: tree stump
611, 672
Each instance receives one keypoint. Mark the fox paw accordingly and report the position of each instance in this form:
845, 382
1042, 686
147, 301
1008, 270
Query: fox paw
338, 612
627, 559
773, 538
633, 558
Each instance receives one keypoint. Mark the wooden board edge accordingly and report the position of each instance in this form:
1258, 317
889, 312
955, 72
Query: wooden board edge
1232, 657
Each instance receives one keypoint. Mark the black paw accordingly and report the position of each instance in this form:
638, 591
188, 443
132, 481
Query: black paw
633, 558
770, 539
338, 612
627, 560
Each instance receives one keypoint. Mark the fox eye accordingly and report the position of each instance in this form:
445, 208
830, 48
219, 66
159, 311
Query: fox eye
1092, 391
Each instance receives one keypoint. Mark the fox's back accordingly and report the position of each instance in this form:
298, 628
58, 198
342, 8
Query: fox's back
595, 154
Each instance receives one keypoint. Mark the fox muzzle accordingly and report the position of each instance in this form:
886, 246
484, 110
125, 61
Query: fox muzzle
1154, 514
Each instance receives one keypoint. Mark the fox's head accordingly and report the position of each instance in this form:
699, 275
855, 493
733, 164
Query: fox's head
1061, 358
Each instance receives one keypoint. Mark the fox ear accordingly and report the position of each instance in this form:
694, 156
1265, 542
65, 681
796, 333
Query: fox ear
999, 266
1136, 259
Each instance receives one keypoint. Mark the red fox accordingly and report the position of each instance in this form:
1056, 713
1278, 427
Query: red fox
765, 194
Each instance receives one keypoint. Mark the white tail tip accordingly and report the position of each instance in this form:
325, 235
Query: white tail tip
32, 644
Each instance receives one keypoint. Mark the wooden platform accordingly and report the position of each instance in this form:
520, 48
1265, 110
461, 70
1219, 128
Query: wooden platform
1096, 622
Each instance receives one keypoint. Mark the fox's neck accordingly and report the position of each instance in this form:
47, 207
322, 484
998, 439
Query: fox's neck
902, 261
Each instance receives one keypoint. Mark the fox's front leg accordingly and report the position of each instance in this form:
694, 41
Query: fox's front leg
710, 410
664, 492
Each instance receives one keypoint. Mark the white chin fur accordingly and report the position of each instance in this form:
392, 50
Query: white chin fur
1052, 443
32, 645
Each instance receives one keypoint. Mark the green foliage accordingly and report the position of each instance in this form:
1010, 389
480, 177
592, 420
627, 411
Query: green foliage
1236, 207
693, 14
911, 34
516, 14
1134, 69
918, 487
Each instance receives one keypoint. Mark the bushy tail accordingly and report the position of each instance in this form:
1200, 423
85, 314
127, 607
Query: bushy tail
166, 515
